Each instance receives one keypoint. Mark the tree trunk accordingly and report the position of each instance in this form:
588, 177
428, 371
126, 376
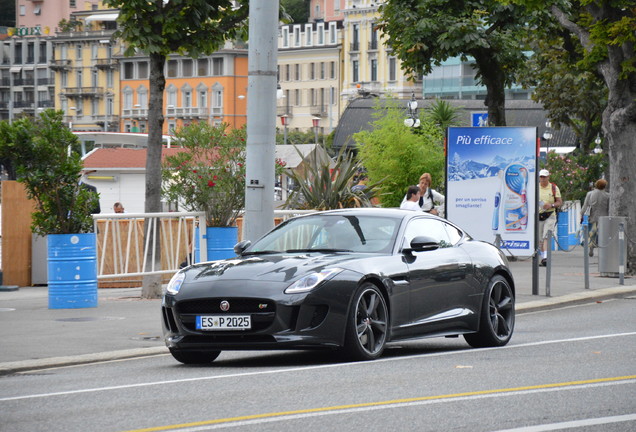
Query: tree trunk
152, 287
493, 78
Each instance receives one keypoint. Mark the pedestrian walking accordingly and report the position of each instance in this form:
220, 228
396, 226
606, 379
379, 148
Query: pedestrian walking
430, 200
596, 204
549, 203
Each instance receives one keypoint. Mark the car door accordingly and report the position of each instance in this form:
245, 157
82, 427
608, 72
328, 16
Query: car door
439, 286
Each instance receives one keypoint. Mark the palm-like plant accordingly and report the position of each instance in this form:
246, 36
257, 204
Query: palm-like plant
326, 185
443, 114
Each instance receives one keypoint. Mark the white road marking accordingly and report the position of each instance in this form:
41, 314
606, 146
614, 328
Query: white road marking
306, 368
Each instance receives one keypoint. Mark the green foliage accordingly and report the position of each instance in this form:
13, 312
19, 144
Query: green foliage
69, 25
443, 114
39, 152
573, 173
297, 10
209, 174
326, 185
192, 27
398, 155
425, 33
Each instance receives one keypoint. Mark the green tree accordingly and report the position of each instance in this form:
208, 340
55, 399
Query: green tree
606, 30
160, 28
424, 33
443, 114
573, 93
298, 10
50, 173
396, 155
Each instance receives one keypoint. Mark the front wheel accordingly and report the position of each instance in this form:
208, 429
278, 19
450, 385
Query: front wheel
194, 357
367, 324
497, 319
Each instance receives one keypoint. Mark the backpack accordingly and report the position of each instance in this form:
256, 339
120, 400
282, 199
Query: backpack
556, 209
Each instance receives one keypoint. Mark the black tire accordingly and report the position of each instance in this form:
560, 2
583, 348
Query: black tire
194, 357
497, 320
367, 324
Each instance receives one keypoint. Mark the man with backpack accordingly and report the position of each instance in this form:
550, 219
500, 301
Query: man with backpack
549, 203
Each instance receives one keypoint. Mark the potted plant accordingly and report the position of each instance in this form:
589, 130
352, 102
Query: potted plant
208, 174
43, 152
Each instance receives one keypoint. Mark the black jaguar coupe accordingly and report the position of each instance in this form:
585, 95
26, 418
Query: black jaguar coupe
349, 280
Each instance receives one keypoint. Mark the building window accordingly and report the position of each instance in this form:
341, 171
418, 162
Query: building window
129, 70
392, 69
109, 78
203, 98
312, 71
217, 66
128, 98
142, 97
355, 37
332, 70
297, 97
78, 78
186, 68
217, 99
354, 66
171, 100
285, 37
297, 74
187, 98
296, 36
172, 68
202, 67
374, 69
22, 10
287, 73
320, 33
94, 51
142, 70
322, 70
308, 35
332, 33
78, 51
94, 80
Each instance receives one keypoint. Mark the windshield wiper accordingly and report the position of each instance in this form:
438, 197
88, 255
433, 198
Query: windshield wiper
324, 250
263, 252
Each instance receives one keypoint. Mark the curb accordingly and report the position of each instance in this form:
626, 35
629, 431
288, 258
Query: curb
548, 303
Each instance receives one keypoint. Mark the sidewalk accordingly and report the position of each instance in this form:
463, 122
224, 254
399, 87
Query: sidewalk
124, 325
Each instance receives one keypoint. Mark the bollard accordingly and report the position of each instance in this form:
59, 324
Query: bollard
548, 268
586, 259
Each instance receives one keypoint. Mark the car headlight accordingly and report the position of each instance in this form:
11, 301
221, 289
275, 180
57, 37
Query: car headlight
175, 283
311, 281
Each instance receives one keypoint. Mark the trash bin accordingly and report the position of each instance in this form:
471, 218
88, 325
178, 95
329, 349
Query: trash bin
609, 245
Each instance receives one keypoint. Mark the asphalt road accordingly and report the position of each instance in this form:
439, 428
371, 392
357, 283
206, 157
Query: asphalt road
569, 368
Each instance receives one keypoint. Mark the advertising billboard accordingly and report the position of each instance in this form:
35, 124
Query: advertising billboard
491, 184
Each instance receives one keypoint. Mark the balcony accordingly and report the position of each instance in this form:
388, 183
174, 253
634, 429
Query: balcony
58, 65
46, 81
46, 104
23, 104
23, 82
83, 92
287, 110
318, 110
106, 63
354, 46
373, 45
135, 113
5, 82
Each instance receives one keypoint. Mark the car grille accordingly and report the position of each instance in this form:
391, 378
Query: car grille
213, 306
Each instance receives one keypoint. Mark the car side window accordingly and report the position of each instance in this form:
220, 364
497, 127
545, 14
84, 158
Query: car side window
454, 234
428, 227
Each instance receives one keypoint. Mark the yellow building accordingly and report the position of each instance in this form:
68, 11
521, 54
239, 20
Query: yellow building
369, 67
87, 72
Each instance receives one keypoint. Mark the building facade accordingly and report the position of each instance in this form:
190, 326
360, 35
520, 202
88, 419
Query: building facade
309, 74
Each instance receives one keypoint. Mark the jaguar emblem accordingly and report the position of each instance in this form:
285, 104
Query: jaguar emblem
225, 306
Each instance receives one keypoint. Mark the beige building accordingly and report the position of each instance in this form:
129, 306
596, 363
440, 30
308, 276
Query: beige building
87, 72
368, 66
309, 74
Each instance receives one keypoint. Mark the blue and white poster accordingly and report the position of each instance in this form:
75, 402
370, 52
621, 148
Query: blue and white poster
491, 184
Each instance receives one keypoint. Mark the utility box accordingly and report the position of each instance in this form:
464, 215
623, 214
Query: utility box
610, 245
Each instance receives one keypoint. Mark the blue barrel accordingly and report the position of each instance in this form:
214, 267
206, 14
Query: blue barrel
72, 270
221, 241
563, 233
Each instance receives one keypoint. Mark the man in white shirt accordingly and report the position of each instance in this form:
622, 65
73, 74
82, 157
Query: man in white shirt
412, 199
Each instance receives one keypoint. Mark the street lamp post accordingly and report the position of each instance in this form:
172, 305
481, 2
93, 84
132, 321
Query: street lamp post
598, 149
412, 120
284, 119
315, 121
547, 136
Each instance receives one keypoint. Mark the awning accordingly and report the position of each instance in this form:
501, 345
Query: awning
15, 69
102, 17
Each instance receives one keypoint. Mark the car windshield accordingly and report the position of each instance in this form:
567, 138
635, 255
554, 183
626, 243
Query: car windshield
331, 233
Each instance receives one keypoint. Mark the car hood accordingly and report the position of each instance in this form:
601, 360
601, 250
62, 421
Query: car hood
272, 268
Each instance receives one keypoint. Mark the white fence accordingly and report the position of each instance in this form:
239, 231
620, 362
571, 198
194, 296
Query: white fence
125, 239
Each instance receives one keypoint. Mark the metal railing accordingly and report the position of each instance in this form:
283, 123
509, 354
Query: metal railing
126, 244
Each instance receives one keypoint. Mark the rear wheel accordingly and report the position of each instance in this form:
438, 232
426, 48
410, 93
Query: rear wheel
194, 357
497, 318
367, 324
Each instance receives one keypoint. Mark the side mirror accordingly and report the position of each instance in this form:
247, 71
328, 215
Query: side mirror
240, 247
423, 243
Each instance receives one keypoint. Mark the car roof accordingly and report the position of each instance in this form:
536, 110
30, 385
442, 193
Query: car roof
375, 211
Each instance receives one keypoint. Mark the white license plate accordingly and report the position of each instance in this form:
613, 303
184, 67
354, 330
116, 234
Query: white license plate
224, 322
